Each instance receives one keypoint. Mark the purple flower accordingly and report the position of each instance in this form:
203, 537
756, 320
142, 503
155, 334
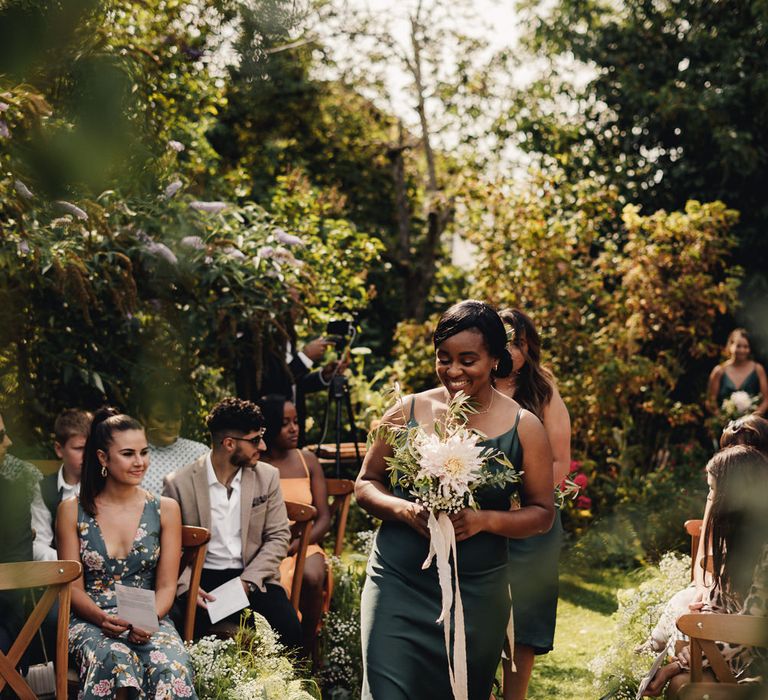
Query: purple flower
208, 207
194, 242
3, 106
287, 238
177, 146
23, 190
5, 132
266, 252
22, 247
173, 188
77, 212
160, 250
233, 252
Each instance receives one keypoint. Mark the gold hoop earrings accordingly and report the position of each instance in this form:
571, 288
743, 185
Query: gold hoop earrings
104, 471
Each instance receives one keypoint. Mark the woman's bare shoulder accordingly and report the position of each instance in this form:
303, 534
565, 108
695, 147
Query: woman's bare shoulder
400, 412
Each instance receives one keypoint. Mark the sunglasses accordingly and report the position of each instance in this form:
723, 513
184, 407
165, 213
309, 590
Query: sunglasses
254, 440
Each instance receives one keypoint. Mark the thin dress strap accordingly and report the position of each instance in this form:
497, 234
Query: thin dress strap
517, 420
304, 462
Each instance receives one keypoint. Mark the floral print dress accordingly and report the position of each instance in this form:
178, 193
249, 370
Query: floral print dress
158, 669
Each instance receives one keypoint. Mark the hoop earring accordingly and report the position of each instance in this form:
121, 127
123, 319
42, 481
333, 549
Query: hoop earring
104, 471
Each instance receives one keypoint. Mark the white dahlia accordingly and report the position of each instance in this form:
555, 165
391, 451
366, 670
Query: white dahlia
454, 461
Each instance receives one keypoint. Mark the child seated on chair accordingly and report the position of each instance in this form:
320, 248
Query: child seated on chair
70, 431
737, 529
301, 481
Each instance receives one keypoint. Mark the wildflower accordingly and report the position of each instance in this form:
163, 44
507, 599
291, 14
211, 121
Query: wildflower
208, 207
5, 132
233, 252
177, 146
173, 188
4, 106
287, 238
266, 252
160, 250
77, 212
194, 242
22, 247
22, 190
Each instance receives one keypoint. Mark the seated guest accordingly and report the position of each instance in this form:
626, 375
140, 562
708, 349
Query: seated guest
70, 430
18, 481
160, 412
121, 533
237, 497
301, 481
738, 531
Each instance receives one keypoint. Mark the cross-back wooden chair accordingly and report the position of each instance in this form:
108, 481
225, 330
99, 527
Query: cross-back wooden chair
693, 528
301, 516
704, 629
56, 577
340, 494
194, 543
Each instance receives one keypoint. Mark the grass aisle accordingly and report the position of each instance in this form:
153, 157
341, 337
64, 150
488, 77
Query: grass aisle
584, 629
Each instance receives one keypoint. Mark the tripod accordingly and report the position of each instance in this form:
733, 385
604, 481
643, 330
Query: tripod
338, 395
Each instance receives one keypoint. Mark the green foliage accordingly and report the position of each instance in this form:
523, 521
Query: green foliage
341, 660
135, 267
672, 108
619, 669
625, 306
251, 664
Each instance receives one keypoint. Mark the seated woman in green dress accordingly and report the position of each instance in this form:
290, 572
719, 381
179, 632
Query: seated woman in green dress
122, 534
404, 654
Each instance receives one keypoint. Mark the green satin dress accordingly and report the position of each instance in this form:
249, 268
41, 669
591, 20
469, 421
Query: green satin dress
403, 646
751, 385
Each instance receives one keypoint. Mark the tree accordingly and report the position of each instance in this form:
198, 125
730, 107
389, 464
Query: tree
675, 108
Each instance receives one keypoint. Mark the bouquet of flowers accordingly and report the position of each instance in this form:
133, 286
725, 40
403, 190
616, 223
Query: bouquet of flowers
444, 470
739, 404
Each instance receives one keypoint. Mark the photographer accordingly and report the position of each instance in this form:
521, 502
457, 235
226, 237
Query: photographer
295, 376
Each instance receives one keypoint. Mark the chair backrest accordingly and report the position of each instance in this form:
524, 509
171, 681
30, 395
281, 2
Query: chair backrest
340, 492
693, 528
56, 577
705, 629
194, 543
301, 516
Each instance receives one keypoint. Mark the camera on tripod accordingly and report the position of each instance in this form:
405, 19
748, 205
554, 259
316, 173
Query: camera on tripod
341, 332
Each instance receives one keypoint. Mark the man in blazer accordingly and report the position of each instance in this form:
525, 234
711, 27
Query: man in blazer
238, 498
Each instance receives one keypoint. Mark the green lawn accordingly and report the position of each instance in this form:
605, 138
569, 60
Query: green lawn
584, 629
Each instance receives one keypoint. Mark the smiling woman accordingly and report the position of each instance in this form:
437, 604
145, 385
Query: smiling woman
403, 646
122, 534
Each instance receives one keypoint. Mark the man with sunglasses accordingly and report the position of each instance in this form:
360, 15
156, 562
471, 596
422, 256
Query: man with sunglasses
238, 498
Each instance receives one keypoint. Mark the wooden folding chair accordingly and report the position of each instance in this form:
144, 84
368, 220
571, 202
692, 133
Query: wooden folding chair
56, 577
301, 516
693, 528
340, 492
704, 629
194, 543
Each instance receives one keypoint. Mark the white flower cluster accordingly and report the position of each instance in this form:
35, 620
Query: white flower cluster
252, 665
739, 404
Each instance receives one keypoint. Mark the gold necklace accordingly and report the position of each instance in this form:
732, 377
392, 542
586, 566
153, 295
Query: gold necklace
490, 403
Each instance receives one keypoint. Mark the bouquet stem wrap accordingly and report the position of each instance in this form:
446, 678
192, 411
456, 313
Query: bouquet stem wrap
442, 543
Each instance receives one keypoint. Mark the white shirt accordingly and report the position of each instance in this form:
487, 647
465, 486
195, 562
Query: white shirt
42, 522
225, 549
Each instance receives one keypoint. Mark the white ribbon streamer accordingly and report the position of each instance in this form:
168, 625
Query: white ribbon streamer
442, 543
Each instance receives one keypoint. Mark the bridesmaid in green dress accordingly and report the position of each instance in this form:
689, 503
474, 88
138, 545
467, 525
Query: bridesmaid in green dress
738, 373
403, 647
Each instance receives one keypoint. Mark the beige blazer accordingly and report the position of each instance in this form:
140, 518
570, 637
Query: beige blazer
264, 527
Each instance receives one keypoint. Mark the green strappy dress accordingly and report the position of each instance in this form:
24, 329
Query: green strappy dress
403, 645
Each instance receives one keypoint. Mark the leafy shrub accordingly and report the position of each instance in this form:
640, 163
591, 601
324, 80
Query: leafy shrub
619, 669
